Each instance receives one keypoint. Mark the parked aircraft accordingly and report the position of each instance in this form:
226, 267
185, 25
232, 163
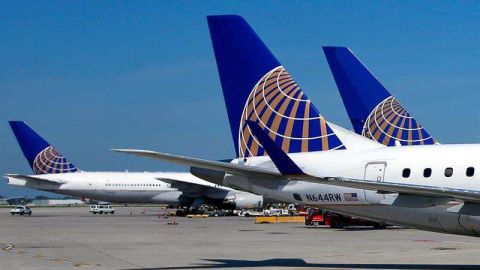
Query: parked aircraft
287, 150
12, 200
373, 111
54, 173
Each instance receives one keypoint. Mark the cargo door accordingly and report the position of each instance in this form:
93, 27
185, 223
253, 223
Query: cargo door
374, 171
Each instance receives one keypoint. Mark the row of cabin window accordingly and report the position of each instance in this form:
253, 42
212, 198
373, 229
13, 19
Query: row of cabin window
427, 172
137, 185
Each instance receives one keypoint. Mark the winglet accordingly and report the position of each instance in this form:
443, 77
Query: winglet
282, 161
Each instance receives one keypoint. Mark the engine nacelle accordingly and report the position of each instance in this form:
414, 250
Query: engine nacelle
244, 201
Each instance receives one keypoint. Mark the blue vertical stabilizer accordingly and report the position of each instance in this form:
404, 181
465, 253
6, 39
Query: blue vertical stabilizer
41, 156
256, 87
373, 111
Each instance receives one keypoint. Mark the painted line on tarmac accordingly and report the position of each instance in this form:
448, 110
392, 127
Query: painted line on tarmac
7, 247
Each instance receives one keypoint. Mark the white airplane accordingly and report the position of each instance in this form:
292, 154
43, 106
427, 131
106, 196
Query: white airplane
288, 151
54, 173
12, 200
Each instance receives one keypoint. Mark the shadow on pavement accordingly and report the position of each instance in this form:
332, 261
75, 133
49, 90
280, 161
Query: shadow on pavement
292, 262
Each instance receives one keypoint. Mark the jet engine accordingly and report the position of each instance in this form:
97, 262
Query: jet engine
243, 201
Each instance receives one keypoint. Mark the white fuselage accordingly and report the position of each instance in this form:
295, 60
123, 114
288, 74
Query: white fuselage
121, 187
377, 164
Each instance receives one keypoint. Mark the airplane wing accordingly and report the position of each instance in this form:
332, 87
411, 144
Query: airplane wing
36, 180
203, 163
284, 162
188, 187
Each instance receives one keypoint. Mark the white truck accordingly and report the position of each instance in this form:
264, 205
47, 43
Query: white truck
102, 209
21, 210
249, 213
275, 212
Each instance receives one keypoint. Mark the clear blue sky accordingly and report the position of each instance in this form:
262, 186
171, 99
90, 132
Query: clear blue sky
93, 75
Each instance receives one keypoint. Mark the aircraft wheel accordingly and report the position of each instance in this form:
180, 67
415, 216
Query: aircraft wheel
339, 224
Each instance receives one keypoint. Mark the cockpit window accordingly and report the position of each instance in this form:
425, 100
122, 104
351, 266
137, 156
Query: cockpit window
297, 196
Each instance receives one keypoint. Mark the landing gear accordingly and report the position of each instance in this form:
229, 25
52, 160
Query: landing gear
379, 226
339, 224
180, 213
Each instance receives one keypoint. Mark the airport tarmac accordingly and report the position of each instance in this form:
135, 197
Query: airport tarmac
71, 238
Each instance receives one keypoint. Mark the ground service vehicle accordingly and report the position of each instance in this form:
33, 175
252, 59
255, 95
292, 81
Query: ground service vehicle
102, 209
21, 210
333, 220
314, 218
340, 221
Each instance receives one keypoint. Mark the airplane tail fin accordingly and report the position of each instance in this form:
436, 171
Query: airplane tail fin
41, 156
256, 87
373, 111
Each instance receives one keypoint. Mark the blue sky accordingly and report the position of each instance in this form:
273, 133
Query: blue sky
94, 75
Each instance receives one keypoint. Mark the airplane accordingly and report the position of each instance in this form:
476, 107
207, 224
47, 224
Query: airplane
13, 200
55, 173
287, 150
373, 111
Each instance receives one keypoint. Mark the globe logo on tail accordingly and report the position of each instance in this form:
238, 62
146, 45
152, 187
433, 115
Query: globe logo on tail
282, 109
50, 161
390, 122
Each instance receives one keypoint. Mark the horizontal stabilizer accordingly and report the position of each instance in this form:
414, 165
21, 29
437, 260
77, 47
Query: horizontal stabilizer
36, 180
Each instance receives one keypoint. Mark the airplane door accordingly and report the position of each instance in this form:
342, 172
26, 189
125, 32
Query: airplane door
374, 171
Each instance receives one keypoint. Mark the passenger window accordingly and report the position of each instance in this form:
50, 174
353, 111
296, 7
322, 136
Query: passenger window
470, 171
448, 172
427, 172
406, 173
